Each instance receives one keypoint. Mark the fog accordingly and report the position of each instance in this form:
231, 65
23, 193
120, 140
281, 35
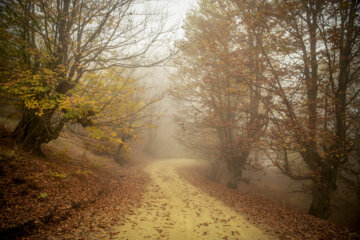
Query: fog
170, 119
261, 174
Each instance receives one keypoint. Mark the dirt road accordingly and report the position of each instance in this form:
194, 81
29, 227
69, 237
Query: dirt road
174, 209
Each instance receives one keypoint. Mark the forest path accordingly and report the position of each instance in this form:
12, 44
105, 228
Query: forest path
174, 209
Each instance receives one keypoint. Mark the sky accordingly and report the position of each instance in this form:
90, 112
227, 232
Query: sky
178, 9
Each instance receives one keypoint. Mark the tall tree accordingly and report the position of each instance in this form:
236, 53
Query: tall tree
312, 60
217, 63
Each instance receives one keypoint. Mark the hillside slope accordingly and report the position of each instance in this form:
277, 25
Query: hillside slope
66, 194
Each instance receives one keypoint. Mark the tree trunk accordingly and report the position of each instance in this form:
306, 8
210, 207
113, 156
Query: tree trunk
322, 190
320, 205
235, 167
33, 130
117, 155
232, 180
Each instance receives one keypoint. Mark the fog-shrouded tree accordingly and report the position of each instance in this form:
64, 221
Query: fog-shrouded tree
122, 108
312, 65
55, 44
349, 174
219, 86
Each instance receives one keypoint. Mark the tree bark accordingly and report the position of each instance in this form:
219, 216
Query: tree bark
235, 167
33, 130
232, 181
320, 205
323, 186
117, 155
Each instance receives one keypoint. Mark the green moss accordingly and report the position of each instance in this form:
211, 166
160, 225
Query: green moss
58, 175
8, 154
42, 195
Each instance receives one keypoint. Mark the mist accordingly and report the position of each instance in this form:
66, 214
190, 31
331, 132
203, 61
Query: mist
171, 119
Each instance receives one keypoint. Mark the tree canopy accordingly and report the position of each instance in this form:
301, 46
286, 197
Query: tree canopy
54, 51
284, 74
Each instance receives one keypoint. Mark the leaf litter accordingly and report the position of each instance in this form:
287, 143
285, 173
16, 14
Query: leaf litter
272, 217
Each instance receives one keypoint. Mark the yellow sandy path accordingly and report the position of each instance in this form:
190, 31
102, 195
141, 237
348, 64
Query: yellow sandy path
174, 209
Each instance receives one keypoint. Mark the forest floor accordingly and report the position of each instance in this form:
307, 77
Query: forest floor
68, 194
275, 218
74, 194
174, 209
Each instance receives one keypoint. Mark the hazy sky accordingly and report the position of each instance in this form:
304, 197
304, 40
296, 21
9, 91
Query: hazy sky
165, 145
178, 9
181, 6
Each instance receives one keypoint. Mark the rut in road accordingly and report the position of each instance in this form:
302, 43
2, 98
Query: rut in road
174, 209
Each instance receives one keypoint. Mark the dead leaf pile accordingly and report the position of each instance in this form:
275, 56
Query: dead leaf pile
46, 198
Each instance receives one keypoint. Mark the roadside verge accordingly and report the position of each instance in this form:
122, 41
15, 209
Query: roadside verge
282, 221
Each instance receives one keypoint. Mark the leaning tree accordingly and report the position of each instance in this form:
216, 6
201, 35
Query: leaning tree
60, 42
